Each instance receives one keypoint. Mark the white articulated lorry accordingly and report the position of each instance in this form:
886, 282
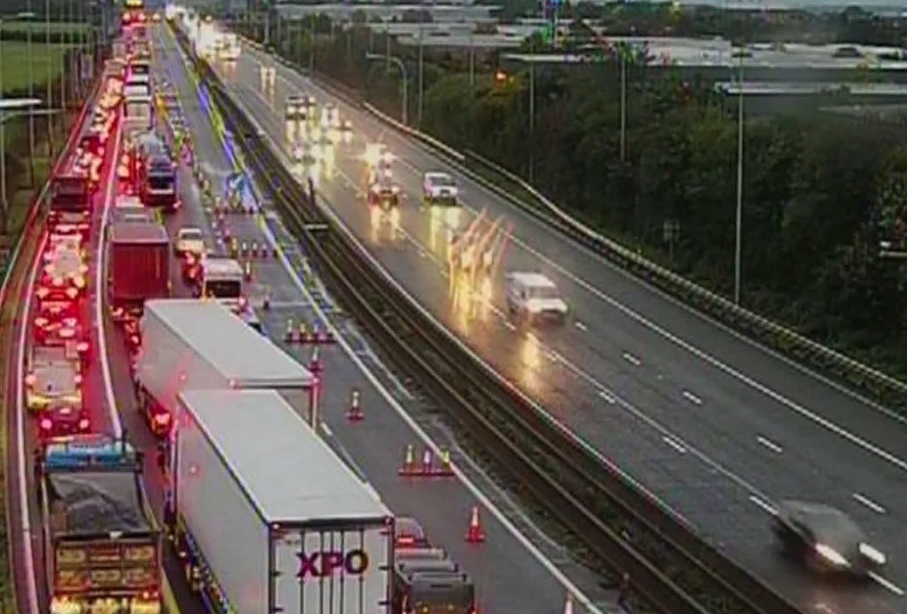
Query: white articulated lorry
269, 518
191, 344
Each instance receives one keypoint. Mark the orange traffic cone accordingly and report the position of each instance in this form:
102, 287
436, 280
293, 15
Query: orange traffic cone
244, 249
303, 336
444, 468
427, 462
475, 534
248, 271
290, 335
568, 607
354, 413
266, 301
409, 468
316, 333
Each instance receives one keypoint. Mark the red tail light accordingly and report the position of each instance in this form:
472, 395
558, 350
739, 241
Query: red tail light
46, 424
84, 424
405, 541
162, 418
30, 380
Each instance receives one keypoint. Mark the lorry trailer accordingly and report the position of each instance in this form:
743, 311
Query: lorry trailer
270, 519
138, 264
190, 344
102, 545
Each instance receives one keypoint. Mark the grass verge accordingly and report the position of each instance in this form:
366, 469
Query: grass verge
46, 64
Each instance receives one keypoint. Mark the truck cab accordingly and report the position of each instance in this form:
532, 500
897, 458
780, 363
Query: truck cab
222, 280
102, 545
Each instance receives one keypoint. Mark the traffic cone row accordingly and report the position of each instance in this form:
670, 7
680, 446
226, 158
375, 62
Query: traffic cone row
306, 335
253, 250
426, 467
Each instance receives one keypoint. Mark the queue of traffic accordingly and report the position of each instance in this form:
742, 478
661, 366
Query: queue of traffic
199, 369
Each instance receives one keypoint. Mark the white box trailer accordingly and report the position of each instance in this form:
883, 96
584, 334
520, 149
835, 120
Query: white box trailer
191, 344
269, 515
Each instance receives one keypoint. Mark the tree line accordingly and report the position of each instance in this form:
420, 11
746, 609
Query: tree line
821, 191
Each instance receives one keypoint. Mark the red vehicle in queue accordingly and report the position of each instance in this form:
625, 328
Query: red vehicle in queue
62, 418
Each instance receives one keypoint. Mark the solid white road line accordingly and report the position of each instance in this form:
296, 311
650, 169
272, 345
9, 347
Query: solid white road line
766, 507
100, 290
869, 503
21, 411
771, 445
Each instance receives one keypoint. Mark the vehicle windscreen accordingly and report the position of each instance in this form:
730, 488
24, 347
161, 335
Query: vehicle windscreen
190, 235
543, 292
442, 182
222, 288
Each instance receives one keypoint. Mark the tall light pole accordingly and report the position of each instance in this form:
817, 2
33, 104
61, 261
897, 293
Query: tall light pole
312, 42
472, 66
738, 243
50, 72
387, 47
421, 79
399, 63
532, 111
623, 106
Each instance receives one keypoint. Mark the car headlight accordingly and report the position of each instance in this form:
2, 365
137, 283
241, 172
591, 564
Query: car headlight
831, 555
872, 554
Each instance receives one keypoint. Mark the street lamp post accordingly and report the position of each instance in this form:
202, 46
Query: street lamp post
399, 63
532, 112
623, 107
738, 243
472, 66
50, 89
421, 78
27, 16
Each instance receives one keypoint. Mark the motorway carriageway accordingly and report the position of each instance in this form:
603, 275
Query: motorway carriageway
510, 576
98, 392
715, 427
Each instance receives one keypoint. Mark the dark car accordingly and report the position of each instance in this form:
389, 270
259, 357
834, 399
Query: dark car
825, 539
384, 194
62, 418
408, 533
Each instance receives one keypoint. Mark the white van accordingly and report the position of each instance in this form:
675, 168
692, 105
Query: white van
534, 298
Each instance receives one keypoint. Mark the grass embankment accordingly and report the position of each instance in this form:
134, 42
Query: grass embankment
46, 66
39, 28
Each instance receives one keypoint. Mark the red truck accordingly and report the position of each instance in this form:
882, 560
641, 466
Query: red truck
138, 265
